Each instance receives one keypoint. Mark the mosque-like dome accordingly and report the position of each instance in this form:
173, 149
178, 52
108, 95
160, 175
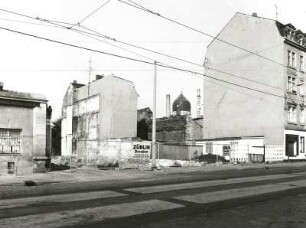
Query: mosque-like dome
181, 106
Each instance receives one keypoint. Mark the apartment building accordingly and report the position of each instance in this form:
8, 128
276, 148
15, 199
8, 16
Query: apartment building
258, 85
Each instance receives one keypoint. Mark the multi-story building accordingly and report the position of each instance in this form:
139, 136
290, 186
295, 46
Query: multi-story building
25, 133
101, 110
259, 93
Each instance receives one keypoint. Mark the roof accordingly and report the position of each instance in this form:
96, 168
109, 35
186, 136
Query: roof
8, 94
21, 99
279, 25
147, 109
77, 85
181, 104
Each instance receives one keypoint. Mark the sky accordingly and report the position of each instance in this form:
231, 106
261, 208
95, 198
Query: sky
38, 66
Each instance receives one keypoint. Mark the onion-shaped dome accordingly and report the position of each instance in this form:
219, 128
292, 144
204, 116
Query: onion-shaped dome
181, 105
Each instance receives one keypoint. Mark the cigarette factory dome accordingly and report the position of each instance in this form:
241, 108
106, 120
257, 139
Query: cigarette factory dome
181, 106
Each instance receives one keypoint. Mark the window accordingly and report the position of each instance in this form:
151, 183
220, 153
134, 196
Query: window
292, 114
301, 87
10, 140
302, 144
302, 116
301, 41
226, 150
291, 59
209, 147
291, 85
301, 63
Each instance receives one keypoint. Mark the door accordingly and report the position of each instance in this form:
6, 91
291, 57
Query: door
292, 149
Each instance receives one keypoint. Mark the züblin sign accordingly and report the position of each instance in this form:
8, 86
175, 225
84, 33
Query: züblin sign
142, 149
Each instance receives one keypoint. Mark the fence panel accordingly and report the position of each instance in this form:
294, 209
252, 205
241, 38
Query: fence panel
274, 153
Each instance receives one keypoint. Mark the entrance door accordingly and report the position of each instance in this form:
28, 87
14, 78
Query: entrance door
292, 149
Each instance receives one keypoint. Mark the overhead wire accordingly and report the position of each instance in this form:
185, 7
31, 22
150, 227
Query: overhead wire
140, 61
138, 6
91, 33
94, 11
26, 22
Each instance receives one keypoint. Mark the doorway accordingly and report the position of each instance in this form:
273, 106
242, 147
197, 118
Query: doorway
292, 145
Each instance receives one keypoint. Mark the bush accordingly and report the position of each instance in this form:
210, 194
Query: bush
109, 165
210, 158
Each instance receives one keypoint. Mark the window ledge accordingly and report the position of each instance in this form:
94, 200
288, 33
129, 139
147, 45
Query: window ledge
291, 92
292, 67
12, 154
295, 123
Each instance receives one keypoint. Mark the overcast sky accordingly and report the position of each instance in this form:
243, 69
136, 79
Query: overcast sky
31, 65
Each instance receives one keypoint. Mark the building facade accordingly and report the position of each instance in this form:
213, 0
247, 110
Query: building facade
101, 110
25, 132
264, 96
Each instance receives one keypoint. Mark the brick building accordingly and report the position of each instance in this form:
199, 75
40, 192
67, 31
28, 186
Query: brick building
178, 128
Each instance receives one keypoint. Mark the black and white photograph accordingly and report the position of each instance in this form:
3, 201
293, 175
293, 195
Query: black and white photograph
153, 113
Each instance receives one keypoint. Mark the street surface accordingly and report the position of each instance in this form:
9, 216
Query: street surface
265, 197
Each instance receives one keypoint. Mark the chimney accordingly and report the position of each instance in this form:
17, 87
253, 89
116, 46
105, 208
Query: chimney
198, 102
99, 76
254, 14
1, 86
168, 105
74, 81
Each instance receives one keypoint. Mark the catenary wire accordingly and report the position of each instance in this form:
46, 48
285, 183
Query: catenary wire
138, 6
94, 11
64, 25
140, 61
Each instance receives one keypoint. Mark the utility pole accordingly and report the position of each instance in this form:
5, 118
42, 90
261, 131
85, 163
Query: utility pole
205, 71
154, 120
87, 108
89, 72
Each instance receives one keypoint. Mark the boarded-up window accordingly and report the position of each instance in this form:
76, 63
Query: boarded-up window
10, 140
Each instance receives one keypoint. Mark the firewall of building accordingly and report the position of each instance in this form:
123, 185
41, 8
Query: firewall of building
25, 133
274, 107
104, 109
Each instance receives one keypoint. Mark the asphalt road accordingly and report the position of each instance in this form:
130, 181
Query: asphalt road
233, 198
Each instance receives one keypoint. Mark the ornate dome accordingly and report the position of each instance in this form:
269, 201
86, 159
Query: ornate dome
181, 106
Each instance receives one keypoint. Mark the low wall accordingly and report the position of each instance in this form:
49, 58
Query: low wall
179, 152
15, 164
113, 153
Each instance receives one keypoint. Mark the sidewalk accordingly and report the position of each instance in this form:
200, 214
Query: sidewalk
88, 174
